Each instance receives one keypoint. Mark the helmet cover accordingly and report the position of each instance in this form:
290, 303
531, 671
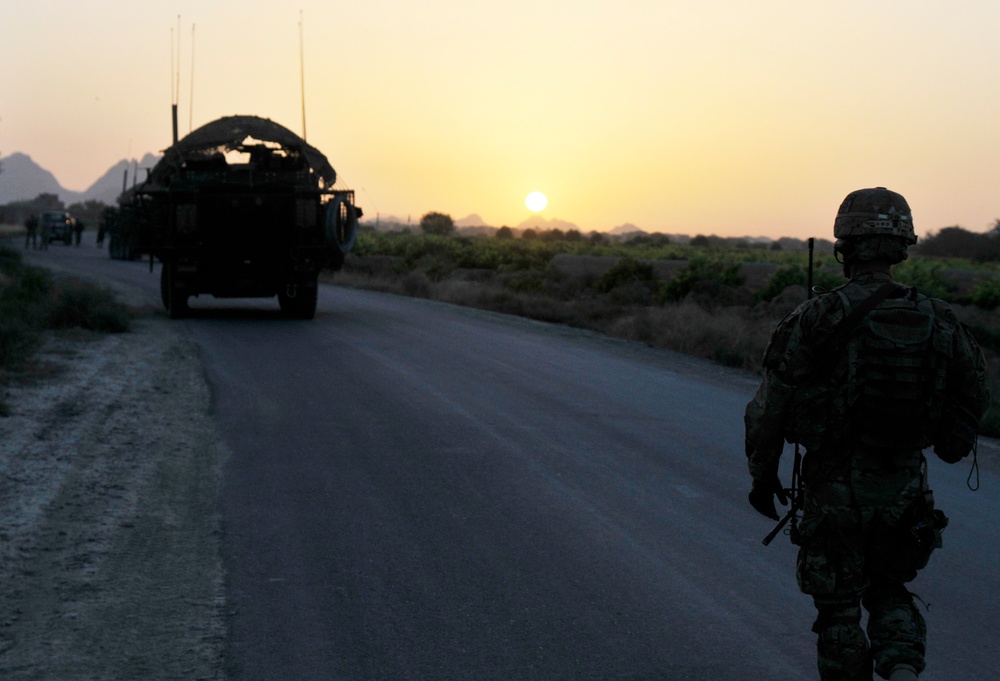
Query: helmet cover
874, 212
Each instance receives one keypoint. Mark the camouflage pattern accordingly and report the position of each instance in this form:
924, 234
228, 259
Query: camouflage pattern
860, 503
874, 212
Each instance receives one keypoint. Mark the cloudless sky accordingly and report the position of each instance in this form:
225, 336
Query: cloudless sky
729, 117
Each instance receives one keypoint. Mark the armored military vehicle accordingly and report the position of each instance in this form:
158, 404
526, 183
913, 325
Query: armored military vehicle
241, 207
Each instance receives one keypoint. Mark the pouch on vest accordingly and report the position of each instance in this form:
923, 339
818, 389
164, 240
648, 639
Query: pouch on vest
892, 377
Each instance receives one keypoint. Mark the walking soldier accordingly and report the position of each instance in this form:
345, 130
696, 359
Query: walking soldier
865, 377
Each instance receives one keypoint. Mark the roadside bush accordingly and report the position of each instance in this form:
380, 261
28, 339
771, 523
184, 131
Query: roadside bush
31, 301
526, 281
416, 284
76, 303
987, 294
796, 275
707, 274
23, 308
728, 336
627, 272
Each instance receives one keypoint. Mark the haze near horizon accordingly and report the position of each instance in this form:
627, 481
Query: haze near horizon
728, 117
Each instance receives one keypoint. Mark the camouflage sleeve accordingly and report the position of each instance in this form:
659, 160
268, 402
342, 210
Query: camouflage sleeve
967, 397
764, 422
788, 362
765, 414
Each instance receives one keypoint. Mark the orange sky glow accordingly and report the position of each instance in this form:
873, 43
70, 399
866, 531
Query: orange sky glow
725, 117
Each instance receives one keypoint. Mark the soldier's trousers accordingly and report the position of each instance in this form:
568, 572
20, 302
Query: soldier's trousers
839, 569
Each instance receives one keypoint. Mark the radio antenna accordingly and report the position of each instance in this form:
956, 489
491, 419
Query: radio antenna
173, 62
175, 85
191, 98
178, 59
302, 76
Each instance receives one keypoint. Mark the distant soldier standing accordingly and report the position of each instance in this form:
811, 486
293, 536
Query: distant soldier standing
46, 234
31, 231
78, 227
865, 377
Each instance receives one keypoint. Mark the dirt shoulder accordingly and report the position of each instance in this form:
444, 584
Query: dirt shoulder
109, 529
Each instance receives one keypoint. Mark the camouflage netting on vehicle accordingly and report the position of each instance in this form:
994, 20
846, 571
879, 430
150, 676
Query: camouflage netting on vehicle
229, 133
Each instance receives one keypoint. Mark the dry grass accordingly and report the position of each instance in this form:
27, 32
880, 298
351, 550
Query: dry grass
33, 302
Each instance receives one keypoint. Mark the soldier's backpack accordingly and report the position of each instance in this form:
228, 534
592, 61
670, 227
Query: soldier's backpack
895, 372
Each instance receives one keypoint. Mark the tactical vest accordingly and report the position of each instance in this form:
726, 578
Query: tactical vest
895, 374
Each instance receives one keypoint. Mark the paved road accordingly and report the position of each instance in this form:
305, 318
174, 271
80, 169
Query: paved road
419, 491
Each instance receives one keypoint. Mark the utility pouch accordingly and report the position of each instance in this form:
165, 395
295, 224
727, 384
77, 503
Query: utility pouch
926, 528
907, 549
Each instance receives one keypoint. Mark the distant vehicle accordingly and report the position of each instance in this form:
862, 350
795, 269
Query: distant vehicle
241, 207
58, 224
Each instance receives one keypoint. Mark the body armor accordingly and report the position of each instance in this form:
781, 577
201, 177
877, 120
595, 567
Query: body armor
893, 375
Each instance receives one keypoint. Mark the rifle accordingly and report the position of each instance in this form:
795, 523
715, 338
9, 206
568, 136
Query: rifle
794, 505
795, 491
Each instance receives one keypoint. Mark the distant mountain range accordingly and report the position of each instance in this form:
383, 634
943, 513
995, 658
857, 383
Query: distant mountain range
21, 179
470, 224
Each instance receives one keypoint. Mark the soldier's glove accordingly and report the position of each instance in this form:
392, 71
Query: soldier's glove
952, 449
762, 496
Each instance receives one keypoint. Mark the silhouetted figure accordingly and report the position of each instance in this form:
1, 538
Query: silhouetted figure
866, 377
31, 231
46, 234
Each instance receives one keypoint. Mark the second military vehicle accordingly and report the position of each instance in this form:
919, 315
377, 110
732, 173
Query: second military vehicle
57, 225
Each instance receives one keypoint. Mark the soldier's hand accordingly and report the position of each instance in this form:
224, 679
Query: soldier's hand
763, 493
951, 449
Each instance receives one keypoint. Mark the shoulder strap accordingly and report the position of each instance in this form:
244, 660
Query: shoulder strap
829, 350
856, 315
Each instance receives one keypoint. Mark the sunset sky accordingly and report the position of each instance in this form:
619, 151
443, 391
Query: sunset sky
729, 117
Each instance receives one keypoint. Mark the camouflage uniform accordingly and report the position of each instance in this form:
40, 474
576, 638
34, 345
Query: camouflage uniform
861, 500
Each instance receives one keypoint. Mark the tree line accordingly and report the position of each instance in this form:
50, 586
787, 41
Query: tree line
949, 242
957, 242
16, 212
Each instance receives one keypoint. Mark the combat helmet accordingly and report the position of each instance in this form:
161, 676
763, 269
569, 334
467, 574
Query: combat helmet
874, 212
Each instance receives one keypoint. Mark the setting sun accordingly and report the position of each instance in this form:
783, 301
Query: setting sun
536, 201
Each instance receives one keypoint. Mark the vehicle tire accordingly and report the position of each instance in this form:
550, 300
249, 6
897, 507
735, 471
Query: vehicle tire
301, 305
341, 224
175, 301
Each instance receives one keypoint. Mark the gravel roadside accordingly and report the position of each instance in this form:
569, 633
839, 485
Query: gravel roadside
109, 529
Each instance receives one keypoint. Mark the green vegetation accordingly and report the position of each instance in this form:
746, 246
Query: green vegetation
32, 302
709, 298
437, 223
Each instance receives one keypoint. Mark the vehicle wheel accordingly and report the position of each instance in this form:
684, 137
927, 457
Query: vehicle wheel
301, 305
174, 299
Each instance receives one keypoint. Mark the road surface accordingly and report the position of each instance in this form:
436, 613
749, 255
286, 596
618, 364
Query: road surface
420, 491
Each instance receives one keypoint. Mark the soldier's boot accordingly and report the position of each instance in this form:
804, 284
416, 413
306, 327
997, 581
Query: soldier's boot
903, 672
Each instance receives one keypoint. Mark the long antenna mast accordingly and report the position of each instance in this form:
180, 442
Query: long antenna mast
178, 58
175, 85
173, 62
302, 76
191, 98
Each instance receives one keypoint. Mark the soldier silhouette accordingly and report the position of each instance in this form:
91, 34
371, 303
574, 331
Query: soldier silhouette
866, 377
